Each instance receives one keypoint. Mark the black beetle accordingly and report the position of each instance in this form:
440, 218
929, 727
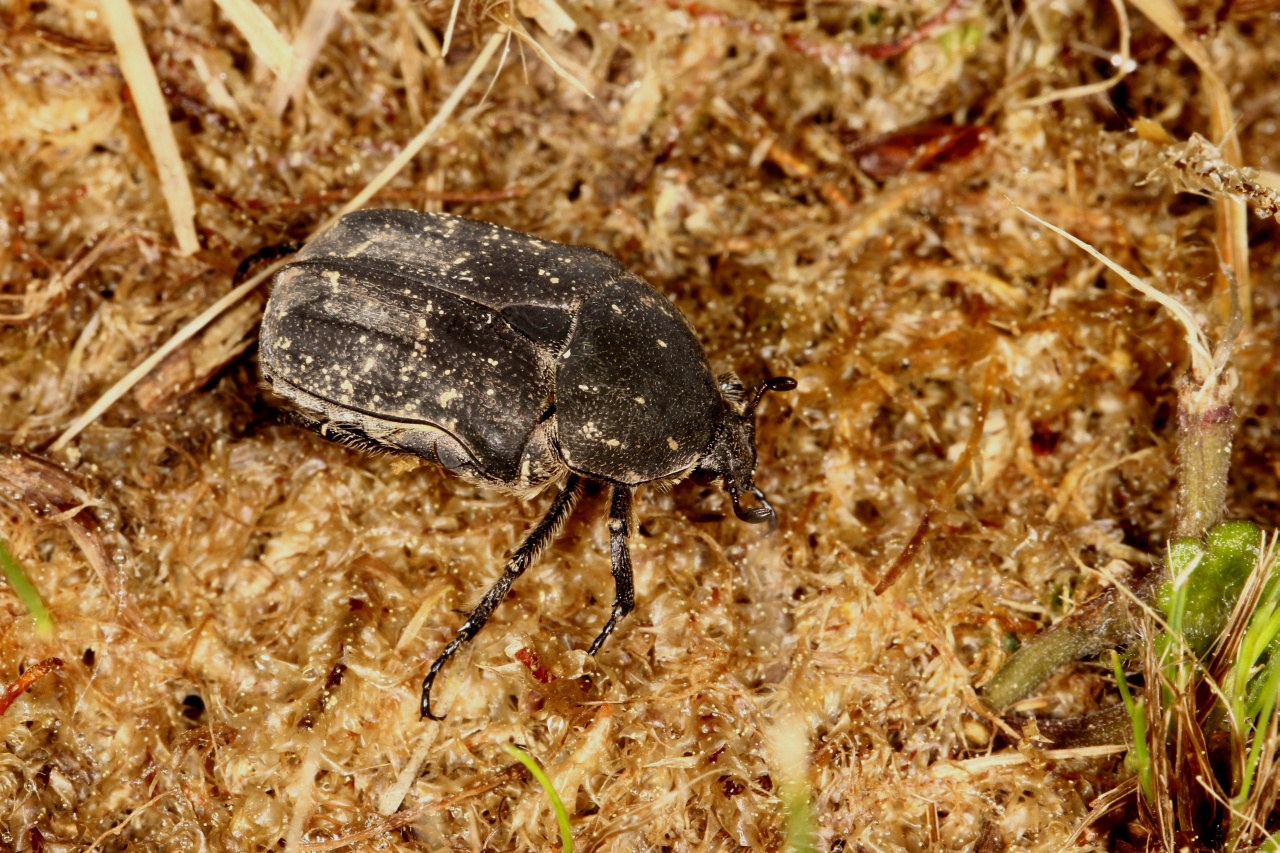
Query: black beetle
512, 361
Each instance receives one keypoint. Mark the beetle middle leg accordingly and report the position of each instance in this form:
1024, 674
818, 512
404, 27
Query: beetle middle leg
525, 556
624, 595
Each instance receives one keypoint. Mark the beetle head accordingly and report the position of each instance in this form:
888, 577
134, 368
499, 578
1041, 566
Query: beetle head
732, 455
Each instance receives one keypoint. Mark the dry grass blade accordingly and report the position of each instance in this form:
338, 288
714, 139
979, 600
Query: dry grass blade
1203, 366
130, 379
1158, 734
517, 29
124, 385
1100, 806
321, 17
266, 42
426, 135
1233, 215
139, 73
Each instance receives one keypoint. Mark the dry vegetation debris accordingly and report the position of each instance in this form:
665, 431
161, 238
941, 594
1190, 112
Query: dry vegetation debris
245, 611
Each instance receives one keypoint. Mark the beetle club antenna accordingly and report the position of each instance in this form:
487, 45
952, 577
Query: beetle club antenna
777, 383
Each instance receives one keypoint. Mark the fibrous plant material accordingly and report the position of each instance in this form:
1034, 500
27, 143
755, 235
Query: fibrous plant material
823, 189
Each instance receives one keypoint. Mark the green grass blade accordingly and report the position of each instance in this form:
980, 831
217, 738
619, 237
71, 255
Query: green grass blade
26, 591
1138, 721
562, 815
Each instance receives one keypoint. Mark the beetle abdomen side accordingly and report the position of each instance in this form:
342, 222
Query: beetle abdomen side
635, 397
400, 351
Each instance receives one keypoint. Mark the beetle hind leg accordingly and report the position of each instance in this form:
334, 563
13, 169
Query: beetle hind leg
542, 534
624, 594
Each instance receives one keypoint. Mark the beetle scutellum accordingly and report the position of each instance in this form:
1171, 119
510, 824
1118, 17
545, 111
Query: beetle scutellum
511, 361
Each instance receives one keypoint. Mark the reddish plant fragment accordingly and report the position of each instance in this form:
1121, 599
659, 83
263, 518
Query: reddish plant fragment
24, 681
916, 148
529, 658
52, 493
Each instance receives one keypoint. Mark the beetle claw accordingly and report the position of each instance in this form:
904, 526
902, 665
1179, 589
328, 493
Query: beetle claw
756, 515
426, 693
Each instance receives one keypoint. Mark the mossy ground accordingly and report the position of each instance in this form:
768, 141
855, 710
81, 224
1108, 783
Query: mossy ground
290, 593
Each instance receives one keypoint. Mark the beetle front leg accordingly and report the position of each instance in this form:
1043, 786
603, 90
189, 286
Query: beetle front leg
543, 533
624, 595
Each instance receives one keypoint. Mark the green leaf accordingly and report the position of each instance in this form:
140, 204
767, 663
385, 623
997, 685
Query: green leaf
562, 815
1206, 580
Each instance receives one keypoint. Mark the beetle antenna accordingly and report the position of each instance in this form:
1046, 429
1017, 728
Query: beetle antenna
777, 383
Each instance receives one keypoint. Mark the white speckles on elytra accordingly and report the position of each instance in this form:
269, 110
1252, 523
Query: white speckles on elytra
662, 343
672, 443
448, 396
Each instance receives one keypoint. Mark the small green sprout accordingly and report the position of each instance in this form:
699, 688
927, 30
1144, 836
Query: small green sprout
562, 815
795, 799
1139, 759
26, 591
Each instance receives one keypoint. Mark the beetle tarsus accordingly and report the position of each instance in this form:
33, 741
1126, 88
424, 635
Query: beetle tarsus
624, 595
756, 515
542, 535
